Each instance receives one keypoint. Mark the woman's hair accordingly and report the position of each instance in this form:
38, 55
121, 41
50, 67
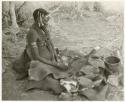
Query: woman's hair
39, 11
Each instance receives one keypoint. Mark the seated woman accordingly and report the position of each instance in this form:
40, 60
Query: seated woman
39, 59
40, 62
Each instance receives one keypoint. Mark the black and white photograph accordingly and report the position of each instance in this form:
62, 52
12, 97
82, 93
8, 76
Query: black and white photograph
62, 50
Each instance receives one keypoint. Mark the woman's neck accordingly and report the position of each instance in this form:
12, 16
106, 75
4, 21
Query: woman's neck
42, 27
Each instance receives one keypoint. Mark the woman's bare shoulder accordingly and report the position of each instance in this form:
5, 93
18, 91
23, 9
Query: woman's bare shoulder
32, 32
32, 35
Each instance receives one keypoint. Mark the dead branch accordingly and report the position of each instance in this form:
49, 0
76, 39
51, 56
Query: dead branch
55, 10
9, 57
21, 6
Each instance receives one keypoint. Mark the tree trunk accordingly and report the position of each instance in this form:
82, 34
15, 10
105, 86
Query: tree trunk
13, 15
14, 25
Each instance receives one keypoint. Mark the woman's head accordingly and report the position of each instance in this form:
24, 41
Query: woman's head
41, 16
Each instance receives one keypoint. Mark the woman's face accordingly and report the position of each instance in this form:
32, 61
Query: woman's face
46, 19
43, 20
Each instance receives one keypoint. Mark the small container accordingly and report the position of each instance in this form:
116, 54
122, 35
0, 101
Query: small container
112, 64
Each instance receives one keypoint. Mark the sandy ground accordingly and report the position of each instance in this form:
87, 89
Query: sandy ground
78, 35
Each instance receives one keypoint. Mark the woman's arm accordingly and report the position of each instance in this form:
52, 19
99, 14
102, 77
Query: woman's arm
32, 39
36, 56
51, 46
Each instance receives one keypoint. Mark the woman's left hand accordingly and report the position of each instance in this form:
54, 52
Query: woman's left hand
62, 66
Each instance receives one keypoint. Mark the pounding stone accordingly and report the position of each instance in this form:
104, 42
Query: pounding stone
85, 82
97, 63
88, 69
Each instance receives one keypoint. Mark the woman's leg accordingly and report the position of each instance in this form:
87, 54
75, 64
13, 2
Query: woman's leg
47, 84
53, 84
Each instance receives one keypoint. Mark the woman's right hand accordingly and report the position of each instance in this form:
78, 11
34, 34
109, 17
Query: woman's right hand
60, 65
